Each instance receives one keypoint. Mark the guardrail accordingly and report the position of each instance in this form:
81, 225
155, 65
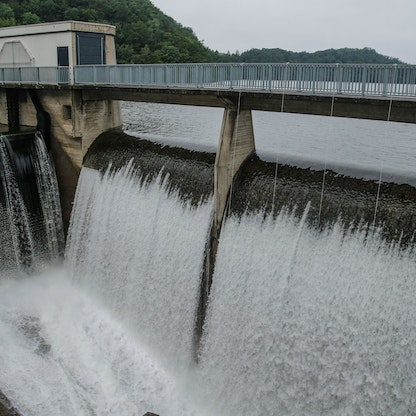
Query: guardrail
381, 80
48, 75
356, 79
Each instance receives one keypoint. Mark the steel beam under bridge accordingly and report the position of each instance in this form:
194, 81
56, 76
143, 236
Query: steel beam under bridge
398, 109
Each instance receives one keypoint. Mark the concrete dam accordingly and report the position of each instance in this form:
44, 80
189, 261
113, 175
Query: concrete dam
179, 264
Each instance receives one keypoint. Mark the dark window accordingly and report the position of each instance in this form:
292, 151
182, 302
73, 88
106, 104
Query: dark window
63, 57
67, 112
90, 49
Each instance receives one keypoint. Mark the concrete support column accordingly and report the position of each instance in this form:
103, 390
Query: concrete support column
236, 144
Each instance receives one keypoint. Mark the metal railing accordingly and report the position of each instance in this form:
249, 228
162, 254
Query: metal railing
47, 75
355, 79
372, 80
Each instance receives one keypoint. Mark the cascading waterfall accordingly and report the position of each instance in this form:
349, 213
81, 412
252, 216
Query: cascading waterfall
18, 220
118, 339
336, 339
49, 197
140, 249
31, 222
300, 321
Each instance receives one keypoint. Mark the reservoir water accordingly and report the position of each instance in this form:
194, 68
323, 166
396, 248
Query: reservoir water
301, 320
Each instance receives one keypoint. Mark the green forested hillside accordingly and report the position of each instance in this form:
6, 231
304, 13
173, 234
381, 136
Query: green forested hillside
146, 35
344, 55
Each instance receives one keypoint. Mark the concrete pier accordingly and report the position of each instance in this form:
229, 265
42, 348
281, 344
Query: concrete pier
236, 144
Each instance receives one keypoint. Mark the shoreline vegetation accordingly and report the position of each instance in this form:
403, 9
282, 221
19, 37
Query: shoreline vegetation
145, 35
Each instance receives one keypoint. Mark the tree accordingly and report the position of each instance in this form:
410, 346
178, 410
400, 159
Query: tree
167, 53
6, 15
30, 18
52, 10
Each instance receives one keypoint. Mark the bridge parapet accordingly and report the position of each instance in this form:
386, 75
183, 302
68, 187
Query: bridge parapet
346, 79
367, 80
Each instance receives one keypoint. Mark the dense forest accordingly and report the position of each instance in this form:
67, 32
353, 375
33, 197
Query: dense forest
344, 55
146, 35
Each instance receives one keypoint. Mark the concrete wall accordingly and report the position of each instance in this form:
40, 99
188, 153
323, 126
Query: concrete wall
42, 40
75, 124
235, 145
42, 48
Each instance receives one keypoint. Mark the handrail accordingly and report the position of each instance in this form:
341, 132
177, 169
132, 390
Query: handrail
354, 79
45, 75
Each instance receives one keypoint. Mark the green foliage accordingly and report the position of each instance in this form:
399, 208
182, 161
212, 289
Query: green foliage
29, 18
146, 35
6, 15
344, 55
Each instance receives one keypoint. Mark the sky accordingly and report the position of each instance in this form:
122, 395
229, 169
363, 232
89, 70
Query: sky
388, 26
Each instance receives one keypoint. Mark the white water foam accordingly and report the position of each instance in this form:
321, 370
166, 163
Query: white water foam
63, 354
21, 229
300, 322
337, 338
47, 184
141, 251
116, 336
18, 219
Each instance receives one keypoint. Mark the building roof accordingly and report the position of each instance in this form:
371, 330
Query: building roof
55, 27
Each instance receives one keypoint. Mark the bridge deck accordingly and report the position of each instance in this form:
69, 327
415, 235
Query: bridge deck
380, 92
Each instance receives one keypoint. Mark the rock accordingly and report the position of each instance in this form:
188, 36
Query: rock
6, 409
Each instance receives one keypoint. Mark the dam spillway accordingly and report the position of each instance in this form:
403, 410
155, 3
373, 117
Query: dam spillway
32, 231
303, 318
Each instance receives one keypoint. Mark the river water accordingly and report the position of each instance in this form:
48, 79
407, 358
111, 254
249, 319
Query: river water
360, 147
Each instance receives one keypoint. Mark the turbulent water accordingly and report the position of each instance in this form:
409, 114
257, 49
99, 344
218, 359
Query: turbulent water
31, 225
141, 251
308, 323
64, 353
301, 321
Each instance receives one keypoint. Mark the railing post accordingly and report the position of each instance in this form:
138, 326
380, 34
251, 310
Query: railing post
339, 76
197, 75
298, 80
241, 76
385, 80
270, 77
286, 75
394, 80
363, 80
313, 79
